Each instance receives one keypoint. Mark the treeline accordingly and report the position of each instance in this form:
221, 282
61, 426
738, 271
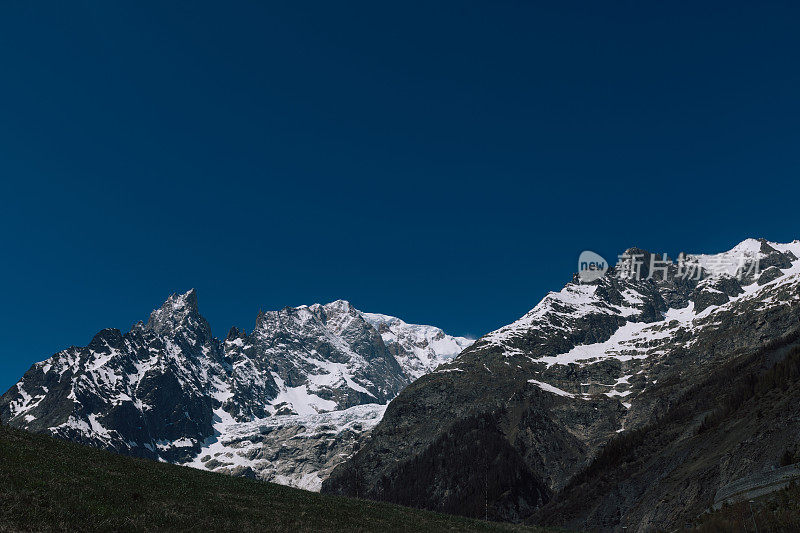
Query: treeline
780, 377
470, 470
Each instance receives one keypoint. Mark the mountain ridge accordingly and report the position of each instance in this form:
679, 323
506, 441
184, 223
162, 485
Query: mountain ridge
169, 390
585, 364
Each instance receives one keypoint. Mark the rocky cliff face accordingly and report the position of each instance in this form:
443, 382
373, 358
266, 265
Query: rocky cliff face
738, 421
285, 402
418, 349
588, 363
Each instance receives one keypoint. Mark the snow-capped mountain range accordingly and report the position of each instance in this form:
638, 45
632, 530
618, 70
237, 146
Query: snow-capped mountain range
511, 419
307, 380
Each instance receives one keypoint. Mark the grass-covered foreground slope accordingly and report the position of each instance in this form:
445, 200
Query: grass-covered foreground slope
49, 484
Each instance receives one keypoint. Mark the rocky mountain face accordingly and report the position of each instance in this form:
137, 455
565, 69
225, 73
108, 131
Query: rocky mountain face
532, 412
735, 426
418, 349
285, 402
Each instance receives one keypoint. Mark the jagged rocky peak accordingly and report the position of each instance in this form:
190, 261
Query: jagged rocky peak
105, 340
235, 333
177, 307
335, 307
337, 315
178, 312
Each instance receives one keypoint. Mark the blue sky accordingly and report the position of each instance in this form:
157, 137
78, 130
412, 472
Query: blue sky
441, 162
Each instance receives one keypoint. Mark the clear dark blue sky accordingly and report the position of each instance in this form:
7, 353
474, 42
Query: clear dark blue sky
442, 162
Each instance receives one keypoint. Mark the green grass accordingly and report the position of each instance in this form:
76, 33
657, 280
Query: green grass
50, 484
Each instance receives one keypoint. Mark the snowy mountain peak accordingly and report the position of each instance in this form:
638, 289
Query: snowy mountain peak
339, 305
178, 310
619, 320
180, 303
419, 349
759, 248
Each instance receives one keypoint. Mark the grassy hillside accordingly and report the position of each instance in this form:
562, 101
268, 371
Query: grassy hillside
48, 484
